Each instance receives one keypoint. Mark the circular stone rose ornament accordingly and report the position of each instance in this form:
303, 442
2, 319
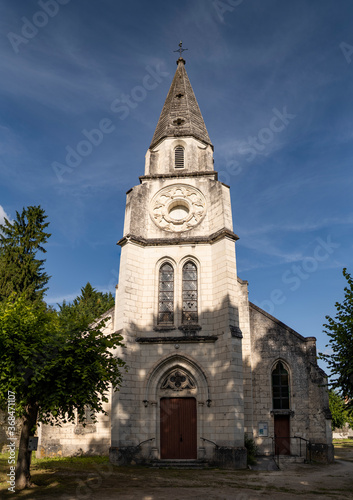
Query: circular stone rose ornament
178, 208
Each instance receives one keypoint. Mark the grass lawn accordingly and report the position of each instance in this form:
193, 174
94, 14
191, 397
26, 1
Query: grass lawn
59, 476
344, 449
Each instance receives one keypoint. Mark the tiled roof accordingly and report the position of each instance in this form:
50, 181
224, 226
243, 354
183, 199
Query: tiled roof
181, 115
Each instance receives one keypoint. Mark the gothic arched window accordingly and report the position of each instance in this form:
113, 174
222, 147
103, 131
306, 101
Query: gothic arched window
280, 387
166, 294
179, 157
189, 312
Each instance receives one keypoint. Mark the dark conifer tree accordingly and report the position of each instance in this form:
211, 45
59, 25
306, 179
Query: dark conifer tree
21, 272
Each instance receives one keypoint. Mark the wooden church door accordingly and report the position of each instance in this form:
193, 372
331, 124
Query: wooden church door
282, 433
178, 428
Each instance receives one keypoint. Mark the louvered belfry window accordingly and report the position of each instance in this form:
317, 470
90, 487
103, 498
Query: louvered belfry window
166, 295
179, 157
280, 387
189, 312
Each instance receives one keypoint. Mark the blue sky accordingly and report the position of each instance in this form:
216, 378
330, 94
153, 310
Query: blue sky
274, 83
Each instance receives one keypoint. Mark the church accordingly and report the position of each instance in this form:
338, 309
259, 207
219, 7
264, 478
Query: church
206, 367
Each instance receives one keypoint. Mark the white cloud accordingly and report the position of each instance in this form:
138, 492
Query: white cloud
58, 299
3, 214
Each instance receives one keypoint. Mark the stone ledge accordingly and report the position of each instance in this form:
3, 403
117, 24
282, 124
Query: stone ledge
196, 339
282, 412
179, 175
236, 332
213, 238
165, 328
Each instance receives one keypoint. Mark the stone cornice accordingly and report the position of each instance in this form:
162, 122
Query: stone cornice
177, 240
180, 175
194, 339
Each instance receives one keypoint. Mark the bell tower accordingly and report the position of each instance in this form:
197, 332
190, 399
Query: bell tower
178, 300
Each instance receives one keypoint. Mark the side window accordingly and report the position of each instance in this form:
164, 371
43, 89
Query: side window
189, 312
179, 157
166, 295
280, 387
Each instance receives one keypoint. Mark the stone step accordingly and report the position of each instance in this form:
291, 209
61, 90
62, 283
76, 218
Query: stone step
285, 461
179, 464
290, 458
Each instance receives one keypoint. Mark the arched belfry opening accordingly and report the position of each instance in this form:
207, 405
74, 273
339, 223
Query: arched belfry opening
179, 157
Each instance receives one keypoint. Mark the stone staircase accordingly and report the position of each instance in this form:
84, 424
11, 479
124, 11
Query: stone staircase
287, 461
179, 464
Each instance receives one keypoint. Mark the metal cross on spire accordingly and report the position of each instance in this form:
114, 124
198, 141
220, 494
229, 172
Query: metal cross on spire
180, 49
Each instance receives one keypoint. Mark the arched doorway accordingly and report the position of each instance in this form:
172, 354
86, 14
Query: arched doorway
176, 397
178, 417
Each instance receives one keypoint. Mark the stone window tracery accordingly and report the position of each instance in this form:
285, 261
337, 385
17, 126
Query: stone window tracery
280, 387
190, 294
178, 380
166, 295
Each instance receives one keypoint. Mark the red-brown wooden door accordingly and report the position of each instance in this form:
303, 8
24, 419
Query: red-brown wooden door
282, 433
178, 428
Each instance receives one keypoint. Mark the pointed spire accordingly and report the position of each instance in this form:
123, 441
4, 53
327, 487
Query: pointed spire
181, 115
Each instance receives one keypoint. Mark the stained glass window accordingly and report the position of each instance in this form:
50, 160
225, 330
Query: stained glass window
280, 387
189, 311
166, 295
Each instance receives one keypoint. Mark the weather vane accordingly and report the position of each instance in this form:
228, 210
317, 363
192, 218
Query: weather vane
180, 49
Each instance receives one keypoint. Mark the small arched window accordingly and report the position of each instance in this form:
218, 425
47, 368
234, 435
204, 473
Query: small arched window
280, 387
189, 312
166, 295
179, 157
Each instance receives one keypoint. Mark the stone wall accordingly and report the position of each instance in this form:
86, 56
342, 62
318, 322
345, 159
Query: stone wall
271, 341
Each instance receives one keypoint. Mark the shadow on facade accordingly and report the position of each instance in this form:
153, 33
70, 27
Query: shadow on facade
203, 361
228, 373
293, 406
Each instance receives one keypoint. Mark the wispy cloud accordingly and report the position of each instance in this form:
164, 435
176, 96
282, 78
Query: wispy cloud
59, 299
297, 228
4, 215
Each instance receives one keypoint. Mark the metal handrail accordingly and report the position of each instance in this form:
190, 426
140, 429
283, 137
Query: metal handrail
146, 441
209, 441
307, 446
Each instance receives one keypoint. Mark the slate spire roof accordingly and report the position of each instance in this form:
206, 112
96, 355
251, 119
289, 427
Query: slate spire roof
181, 115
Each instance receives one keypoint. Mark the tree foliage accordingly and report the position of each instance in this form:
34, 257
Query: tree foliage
87, 307
340, 332
56, 363
54, 371
339, 411
20, 240
59, 370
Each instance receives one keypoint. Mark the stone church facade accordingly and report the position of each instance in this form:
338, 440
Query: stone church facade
205, 366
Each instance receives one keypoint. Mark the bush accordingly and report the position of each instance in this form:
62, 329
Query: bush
251, 449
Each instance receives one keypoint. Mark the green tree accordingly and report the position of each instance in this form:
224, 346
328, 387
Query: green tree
338, 408
54, 371
88, 306
20, 240
340, 332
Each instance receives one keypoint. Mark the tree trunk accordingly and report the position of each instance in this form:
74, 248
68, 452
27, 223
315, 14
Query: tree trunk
23, 476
